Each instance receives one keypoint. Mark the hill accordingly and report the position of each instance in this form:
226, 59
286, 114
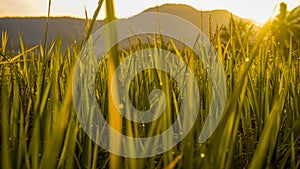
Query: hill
32, 30
201, 19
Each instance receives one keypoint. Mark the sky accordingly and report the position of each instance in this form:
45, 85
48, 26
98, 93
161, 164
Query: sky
258, 10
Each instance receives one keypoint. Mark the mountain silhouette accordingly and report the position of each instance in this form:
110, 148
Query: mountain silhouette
32, 30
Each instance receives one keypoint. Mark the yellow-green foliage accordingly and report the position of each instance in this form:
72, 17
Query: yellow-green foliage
260, 127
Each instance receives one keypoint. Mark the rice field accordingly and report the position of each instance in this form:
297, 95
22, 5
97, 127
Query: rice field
259, 128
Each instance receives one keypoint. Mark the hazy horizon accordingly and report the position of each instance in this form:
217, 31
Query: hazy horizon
257, 10
80, 17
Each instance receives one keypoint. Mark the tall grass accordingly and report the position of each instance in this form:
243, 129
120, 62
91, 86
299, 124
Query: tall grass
260, 127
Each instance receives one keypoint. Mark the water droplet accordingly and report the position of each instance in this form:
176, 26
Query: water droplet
121, 106
202, 155
247, 59
9, 138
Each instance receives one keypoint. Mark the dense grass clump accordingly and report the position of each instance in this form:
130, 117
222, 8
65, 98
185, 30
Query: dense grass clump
260, 127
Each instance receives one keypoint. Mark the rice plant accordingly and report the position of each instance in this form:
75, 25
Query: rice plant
260, 127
